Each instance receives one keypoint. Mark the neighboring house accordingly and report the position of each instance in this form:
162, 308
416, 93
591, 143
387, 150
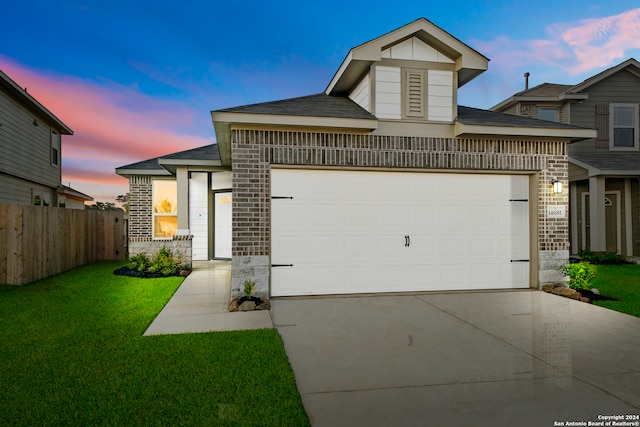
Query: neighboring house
31, 151
381, 183
604, 171
72, 199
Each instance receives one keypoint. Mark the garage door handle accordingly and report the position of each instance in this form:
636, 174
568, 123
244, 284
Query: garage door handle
281, 265
407, 241
519, 260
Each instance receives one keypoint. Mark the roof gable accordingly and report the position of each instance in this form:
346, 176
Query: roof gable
416, 50
630, 65
468, 62
31, 103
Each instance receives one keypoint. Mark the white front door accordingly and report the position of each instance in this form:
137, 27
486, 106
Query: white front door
337, 232
222, 225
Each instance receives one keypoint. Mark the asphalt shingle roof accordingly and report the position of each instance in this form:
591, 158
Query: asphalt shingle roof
545, 89
207, 152
318, 105
610, 160
476, 116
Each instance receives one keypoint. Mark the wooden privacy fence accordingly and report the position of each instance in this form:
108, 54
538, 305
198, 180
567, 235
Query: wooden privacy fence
38, 242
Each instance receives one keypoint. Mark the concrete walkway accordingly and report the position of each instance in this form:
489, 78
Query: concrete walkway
200, 305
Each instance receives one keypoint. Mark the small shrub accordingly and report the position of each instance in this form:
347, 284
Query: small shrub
580, 275
610, 258
249, 287
165, 263
139, 262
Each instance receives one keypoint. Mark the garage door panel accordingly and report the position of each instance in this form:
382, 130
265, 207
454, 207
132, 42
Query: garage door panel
453, 245
360, 216
358, 246
344, 231
452, 216
422, 216
483, 216
484, 246
388, 246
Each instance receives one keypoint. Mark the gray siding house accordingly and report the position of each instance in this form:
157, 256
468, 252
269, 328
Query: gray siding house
604, 171
381, 183
31, 151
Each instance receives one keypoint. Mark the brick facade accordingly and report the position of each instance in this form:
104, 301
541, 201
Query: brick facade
254, 151
141, 223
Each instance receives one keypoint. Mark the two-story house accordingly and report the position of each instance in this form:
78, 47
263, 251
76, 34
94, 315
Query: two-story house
381, 183
31, 151
604, 171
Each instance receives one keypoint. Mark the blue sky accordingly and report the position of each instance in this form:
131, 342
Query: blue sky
138, 79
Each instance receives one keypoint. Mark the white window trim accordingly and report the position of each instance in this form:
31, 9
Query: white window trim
636, 135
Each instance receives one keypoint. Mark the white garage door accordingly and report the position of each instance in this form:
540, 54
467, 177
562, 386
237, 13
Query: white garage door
336, 232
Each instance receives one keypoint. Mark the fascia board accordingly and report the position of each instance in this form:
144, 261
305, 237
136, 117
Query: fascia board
340, 72
286, 120
150, 172
189, 162
462, 129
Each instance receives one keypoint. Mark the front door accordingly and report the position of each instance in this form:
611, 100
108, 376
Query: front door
222, 225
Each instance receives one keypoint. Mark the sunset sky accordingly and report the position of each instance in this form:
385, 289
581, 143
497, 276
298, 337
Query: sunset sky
138, 79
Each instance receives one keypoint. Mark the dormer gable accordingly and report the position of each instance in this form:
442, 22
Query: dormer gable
409, 74
416, 50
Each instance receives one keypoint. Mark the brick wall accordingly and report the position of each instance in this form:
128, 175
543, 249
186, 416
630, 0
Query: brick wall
255, 150
140, 213
141, 224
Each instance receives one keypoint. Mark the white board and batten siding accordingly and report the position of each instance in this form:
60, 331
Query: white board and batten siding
360, 232
440, 95
198, 215
388, 84
416, 50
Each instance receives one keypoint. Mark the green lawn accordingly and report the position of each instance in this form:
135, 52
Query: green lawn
621, 282
72, 353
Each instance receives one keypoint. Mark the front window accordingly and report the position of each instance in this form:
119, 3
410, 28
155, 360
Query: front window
623, 127
165, 208
548, 114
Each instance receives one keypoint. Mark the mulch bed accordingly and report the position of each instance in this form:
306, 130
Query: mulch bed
126, 271
595, 297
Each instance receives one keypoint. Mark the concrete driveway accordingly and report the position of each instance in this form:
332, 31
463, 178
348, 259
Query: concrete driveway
509, 358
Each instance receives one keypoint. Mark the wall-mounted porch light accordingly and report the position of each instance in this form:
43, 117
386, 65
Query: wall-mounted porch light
557, 185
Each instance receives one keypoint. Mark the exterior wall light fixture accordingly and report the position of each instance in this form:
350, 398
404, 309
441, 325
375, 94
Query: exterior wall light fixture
557, 185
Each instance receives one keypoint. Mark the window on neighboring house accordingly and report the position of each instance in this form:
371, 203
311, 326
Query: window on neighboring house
548, 113
165, 208
623, 126
55, 148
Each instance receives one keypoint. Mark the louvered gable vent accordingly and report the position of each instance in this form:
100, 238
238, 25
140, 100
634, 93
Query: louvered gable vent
415, 94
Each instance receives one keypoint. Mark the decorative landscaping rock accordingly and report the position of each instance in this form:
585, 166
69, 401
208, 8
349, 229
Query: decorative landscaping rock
581, 295
243, 303
247, 306
184, 273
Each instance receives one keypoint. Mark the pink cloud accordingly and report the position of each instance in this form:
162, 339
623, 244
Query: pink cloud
600, 42
579, 47
113, 125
